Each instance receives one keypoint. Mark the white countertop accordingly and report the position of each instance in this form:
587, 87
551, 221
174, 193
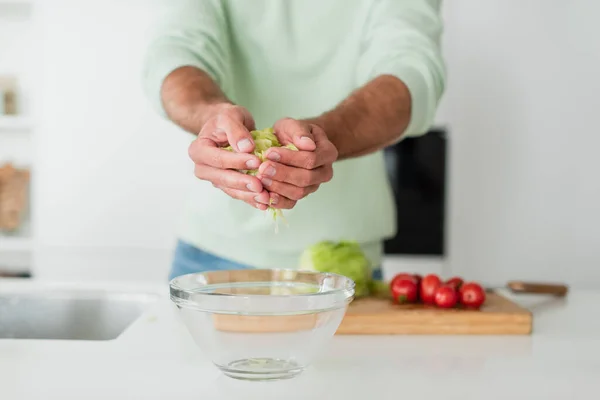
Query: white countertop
156, 359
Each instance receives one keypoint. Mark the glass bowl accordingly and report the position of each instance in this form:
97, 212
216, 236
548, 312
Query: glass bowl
262, 324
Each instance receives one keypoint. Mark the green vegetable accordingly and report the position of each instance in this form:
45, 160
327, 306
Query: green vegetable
345, 258
380, 289
265, 139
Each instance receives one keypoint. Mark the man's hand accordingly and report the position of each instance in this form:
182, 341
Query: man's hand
292, 175
229, 125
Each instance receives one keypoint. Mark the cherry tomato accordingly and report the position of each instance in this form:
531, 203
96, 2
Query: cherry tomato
429, 285
403, 276
455, 282
446, 296
472, 295
419, 278
404, 290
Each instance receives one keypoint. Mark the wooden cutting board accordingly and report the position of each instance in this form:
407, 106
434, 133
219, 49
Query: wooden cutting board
498, 316
375, 316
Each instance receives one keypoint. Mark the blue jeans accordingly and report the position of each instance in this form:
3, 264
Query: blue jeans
189, 259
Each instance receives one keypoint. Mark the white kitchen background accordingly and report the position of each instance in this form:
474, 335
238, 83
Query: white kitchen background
109, 176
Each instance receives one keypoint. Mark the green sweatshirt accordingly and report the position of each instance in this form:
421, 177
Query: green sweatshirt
299, 58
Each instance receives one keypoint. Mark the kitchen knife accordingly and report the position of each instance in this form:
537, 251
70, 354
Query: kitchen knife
521, 287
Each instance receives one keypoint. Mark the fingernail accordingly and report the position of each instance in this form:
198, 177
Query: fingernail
266, 181
306, 138
269, 171
274, 198
244, 145
253, 188
274, 156
258, 200
252, 164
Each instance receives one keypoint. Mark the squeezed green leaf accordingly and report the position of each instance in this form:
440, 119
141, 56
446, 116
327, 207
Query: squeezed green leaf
265, 139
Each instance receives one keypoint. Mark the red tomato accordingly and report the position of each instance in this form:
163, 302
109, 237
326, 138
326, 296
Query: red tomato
446, 296
419, 278
455, 282
429, 285
472, 295
403, 276
404, 290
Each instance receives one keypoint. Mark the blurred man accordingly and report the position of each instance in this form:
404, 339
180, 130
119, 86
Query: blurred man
340, 79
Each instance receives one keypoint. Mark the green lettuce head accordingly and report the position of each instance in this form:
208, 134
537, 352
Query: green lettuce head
344, 258
265, 139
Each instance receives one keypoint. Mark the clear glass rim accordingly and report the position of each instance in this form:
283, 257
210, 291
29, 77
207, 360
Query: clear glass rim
200, 300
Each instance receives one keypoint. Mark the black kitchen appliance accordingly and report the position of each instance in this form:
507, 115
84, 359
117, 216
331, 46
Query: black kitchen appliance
417, 171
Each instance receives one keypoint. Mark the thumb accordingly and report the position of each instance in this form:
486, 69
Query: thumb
296, 132
237, 124
238, 136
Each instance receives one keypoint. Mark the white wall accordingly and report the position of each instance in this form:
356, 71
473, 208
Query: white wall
111, 174
520, 104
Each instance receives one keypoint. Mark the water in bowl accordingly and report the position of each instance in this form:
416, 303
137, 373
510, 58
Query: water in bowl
252, 345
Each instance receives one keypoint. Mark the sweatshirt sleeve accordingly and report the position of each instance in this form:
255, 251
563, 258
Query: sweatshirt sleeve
402, 39
191, 33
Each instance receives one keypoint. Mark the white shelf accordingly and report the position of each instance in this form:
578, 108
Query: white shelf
15, 243
14, 2
15, 123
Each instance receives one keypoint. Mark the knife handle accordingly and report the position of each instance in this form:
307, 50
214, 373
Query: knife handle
538, 288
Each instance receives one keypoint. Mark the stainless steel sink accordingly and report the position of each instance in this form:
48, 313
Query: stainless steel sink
70, 314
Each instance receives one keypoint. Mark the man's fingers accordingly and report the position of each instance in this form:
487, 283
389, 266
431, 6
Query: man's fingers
319, 134
229, 179
232, 125
325, 153
303, 159
259, 201
238, 136
296, 176
281, 202
205, 151
290, 191
299, 133
262, 200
